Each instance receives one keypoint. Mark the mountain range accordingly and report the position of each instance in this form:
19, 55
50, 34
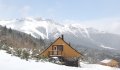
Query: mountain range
75, 34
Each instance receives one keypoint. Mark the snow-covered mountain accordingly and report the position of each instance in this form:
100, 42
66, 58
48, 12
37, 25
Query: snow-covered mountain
73, 33
45, 27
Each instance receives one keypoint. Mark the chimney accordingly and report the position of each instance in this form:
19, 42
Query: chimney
62, 37
69, 44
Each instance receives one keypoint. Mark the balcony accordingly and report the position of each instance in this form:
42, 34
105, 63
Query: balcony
55, 53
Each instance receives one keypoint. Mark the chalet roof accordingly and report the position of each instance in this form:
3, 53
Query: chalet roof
65, 42
107, 60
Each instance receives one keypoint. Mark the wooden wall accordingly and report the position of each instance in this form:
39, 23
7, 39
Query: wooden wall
68, 52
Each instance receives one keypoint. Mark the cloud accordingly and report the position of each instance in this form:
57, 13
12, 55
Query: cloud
24, 11
111, 25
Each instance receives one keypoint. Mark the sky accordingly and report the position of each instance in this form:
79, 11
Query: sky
88, 12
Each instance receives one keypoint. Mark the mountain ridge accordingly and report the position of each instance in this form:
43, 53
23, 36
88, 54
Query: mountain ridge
74, 33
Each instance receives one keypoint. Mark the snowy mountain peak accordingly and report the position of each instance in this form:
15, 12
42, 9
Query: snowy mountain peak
44, 27
75, 33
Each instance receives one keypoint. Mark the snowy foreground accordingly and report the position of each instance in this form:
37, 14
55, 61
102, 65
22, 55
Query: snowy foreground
8, 62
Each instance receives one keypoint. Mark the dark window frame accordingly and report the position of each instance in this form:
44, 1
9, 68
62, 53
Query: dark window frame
59, 47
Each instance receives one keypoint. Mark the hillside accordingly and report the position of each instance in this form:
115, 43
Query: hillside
15, 63
20, 41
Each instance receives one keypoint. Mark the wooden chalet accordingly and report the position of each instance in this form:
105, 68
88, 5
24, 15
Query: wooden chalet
60, 48
110, 62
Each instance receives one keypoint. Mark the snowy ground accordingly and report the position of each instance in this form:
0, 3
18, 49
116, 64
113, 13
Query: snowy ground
8, 62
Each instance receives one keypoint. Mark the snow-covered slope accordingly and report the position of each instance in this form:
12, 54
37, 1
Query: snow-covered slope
8, 62
75, 33
44, 27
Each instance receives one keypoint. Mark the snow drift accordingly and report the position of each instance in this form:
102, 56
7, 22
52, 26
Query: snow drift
9, 62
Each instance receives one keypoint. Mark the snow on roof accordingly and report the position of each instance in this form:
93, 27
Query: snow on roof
106, 60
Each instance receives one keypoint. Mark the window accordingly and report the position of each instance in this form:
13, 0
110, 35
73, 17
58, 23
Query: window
60, 47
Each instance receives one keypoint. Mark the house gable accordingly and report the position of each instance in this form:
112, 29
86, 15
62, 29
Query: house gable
67, 52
